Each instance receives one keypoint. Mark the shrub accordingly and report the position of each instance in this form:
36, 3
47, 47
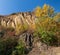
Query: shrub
19, 49
7, 45
46, 30
48, 38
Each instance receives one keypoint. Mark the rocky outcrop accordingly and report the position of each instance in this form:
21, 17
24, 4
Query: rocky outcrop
17, 18
42, 49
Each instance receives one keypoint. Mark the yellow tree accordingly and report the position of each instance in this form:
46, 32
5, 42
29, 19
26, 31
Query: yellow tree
47, 10
38, 11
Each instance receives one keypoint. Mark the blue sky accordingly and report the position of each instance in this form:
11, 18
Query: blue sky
12, 6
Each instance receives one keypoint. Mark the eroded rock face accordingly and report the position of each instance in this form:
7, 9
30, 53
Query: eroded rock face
27, 38
20, 19
17, 18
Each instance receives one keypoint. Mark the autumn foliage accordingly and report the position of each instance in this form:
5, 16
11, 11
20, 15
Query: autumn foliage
48, 24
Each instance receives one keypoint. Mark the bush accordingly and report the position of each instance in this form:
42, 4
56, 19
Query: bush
7, 45
46, 31
19, 49
48, 38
